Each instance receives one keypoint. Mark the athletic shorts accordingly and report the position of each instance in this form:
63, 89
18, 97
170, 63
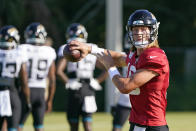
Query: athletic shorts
120, 116
38, 107
75, 103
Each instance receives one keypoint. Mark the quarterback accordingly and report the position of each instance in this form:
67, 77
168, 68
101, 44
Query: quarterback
148, 72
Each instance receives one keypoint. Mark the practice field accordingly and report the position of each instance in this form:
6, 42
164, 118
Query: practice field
56, 121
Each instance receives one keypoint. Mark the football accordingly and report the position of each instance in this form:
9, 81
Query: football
73, 56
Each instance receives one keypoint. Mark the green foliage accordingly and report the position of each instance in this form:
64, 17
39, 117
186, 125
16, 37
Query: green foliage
178, 18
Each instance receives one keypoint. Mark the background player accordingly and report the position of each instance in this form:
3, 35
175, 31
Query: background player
12, 66
41, 65
79, 81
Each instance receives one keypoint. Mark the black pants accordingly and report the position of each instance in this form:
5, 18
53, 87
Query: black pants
38, 107
120, 115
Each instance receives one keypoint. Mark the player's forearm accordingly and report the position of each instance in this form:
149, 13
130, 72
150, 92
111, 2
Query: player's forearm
102, 76
61, 65
123, 84
52, 89
52, 82
119, 58
24, 84
62, 76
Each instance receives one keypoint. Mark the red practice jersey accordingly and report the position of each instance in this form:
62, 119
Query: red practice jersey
149, 101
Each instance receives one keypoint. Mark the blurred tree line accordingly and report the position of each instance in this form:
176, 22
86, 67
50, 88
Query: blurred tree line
178, 18
177, 29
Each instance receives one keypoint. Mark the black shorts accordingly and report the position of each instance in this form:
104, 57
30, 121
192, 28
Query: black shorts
38, 107
150, 128
120, 116
75, 103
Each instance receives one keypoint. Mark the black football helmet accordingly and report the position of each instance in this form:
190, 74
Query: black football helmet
35, 33
9, 36
143, 18
76, 31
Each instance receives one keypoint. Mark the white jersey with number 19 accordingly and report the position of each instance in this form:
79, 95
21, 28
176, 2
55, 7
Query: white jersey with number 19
40, 59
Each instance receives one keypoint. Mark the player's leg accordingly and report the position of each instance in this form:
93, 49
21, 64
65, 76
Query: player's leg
24, 113
120, 117
88, 104
73, 109
2, 128
87, 121
13, 121
39, 107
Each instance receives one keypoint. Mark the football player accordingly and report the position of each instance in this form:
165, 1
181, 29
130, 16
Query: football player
79, 81
12, 67
41, 65
148, 72
122, 108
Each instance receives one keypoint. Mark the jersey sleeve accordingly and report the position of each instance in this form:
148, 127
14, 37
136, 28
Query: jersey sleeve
53, 54
152, 60
60, 51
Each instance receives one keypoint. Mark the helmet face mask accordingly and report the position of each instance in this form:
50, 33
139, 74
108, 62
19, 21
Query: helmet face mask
142, 18
35, 33
77, 32
140, 36
9, 37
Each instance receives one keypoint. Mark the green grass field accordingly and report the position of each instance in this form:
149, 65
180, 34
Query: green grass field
56, 121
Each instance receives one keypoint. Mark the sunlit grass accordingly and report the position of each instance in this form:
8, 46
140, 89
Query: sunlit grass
56, 121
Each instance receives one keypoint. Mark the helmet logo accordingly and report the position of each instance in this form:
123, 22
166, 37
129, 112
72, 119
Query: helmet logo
11, 30
81, 36
10, 39
138, 22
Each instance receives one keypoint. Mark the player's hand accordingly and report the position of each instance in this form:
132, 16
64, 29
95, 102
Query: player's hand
106, 59
73, 84
83, 47
49, 107
95, 84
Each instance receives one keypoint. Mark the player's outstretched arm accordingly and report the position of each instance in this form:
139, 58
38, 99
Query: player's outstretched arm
118, 57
